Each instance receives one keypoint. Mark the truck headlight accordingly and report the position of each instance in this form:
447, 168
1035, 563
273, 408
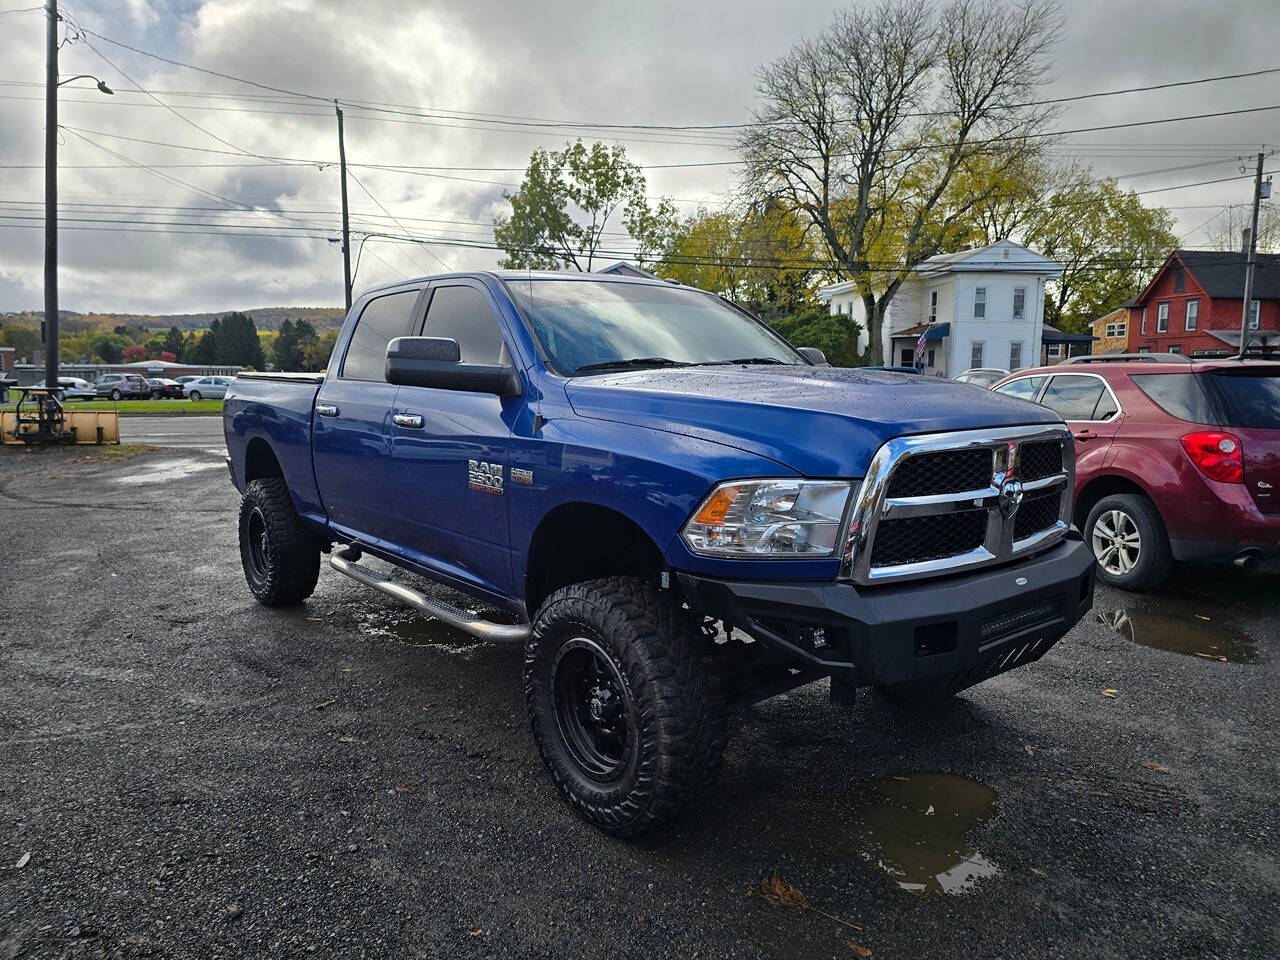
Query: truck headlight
769, 518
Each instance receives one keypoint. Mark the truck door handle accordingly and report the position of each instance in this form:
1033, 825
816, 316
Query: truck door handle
327, 409
413, 421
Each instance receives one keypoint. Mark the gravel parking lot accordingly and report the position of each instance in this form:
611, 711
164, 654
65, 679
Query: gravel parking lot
185, 773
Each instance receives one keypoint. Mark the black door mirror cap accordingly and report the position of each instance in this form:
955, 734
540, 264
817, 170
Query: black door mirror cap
814, 356
434, 362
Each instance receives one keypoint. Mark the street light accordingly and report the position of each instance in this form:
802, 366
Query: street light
102, 84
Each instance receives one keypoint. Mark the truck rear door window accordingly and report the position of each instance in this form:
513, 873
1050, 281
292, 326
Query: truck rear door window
462, 313
1248, 398
1178, 394
381, 321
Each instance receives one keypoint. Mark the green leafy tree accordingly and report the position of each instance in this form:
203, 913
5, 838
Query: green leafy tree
237, 342
317, 350
836, 335
287, 350
567, 199
204, 351
108, 346
174, 342
25, 340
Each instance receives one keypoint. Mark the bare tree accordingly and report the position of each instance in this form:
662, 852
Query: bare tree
877, 130
1226, 230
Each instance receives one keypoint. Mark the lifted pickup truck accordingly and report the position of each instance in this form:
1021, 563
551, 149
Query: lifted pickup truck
678, 510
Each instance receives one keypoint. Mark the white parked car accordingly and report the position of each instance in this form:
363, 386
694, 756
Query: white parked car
73, 388
206, 388
982, 376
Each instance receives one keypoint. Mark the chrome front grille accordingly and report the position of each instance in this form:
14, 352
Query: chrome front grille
945, 502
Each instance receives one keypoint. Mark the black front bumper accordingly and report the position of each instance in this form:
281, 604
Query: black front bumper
967, 627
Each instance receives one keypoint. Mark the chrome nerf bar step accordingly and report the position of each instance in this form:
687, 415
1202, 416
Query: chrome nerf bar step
344, 561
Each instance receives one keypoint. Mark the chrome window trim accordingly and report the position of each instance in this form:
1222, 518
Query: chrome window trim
872, 504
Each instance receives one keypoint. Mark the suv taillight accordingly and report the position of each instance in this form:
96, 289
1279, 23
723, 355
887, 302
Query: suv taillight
1218, 455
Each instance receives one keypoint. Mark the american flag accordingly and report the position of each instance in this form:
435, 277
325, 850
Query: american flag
920, 348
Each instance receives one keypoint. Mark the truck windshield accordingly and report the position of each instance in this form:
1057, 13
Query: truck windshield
590, 326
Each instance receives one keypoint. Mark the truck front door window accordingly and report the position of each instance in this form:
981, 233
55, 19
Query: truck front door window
463, 314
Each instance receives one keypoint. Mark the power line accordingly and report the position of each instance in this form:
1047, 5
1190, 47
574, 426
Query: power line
398, 224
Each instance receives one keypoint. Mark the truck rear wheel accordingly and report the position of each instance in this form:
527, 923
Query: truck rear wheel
627, 717
281, 557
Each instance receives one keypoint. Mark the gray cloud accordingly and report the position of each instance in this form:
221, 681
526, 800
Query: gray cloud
605, 62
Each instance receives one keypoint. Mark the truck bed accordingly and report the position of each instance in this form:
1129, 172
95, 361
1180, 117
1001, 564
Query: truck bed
268, 415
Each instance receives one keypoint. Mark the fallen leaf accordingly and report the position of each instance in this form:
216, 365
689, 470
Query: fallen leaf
1158, 767
1031, 751
347, 669
1210, 656
477, 932
1038, 872
22, 861
326, 703
401, 788
859, 949
350, 739
778, 892
1109, 693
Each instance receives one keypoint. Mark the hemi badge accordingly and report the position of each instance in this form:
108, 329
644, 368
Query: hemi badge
521, 475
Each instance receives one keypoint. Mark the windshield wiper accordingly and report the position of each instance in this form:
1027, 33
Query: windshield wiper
744, 360
634, 362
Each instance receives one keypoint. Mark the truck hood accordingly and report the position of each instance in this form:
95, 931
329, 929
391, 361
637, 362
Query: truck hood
819, 421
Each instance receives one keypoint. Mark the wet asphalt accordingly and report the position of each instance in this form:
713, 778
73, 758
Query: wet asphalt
184, 773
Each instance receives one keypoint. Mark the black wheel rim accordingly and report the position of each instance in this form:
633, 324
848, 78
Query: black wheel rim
258, 542
593, 708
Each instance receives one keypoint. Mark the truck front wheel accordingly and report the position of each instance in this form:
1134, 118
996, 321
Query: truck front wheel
626, 714
281, 557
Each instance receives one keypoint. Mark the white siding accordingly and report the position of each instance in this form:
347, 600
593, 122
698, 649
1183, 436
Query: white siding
998, 329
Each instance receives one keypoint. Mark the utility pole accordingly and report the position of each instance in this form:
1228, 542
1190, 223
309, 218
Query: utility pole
1251, 258
346, 225
51, 198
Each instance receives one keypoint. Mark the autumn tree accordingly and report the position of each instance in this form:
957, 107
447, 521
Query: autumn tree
759, 257
1108, 242
567, 199
865, 129
835, 334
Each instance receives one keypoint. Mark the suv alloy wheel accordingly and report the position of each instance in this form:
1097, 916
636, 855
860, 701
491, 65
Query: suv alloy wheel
1128, 539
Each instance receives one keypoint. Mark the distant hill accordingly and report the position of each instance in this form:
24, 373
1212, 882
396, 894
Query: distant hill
266, 318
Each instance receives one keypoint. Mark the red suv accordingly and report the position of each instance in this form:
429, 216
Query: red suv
1176, 458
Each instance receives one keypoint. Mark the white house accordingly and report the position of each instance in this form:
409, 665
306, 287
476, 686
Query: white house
975, 308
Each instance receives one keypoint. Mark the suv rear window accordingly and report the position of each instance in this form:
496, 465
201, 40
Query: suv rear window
1248, 398
1178, 394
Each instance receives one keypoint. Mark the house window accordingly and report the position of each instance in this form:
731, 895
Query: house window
1015, 355
1254, 313
979, 302
1175, 348
1144, 321
930, 356
1193, 314
975, 352
1144, 349
1162, 318
1053, 350
933, 305
1019, 302
907, 358
1116, 330
1179, 278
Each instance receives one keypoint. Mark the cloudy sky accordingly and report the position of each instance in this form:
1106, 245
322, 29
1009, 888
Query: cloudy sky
230, 225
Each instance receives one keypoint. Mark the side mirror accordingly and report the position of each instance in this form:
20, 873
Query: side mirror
814, 356
437, 362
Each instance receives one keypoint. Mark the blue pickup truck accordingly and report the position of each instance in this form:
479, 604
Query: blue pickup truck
676, 510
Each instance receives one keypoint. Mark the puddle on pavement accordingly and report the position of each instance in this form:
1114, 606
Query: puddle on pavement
915, 828
1192, 626
409, 626
162, 473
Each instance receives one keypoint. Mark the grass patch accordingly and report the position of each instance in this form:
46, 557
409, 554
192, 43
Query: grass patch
144, 408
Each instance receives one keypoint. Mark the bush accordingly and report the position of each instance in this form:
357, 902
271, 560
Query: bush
835, 334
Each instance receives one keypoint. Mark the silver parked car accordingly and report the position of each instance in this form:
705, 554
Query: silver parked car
120, 386
214, 388
982, 376
73, 388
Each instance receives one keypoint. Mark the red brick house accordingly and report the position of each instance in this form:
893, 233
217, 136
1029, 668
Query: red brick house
1193, 305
